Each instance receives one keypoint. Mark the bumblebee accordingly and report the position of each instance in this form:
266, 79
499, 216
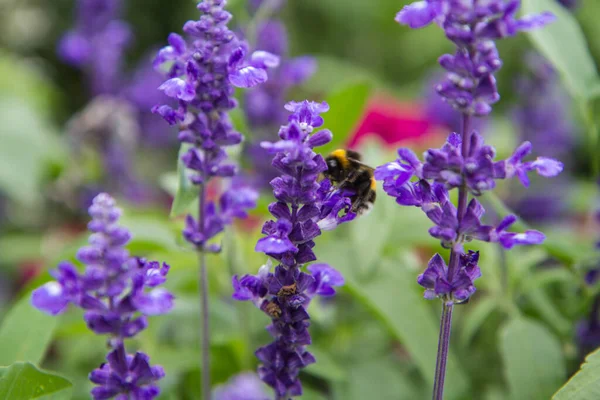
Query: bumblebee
346, 170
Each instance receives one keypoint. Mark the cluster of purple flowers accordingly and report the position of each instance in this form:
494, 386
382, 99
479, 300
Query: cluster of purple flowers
245, 386
444, 169
202, 73
473, 26
303, 208
464, 162
117, 292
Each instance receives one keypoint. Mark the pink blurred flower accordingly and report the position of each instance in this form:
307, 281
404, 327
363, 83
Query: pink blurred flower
393, 122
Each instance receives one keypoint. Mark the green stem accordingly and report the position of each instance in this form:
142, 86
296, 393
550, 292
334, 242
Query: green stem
587, 111
265, 10
204, 307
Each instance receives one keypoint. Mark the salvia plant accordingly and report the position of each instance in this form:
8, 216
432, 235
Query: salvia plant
465, 162
118, 292
303, 208
202, 73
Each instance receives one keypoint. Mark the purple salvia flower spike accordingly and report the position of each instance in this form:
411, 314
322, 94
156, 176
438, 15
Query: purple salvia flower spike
203, 71
304, 208
465, 162
118, 292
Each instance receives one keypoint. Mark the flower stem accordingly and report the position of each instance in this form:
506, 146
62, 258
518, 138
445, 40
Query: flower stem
442, 357
453, 267
204, 313
503, 270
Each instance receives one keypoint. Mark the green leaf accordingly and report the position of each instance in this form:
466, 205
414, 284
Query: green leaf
563, 43
548, 311
25, 80
533, 361
17, 247
393, 296
346, 109
25, 333
28, 143
149, 233
555, 248
475, 318
186, 191
377, 379
325, 367
585, 384
23, 381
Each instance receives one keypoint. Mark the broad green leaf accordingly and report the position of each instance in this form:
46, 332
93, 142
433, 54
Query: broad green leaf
475, 317
26, 81
325, 366
186, 191
346, 108
563, 43
27, 144
392, 294
376, 379
542, 302
333, 73
20, 246
585, 384
533, 360
25, 333
148, 233
24, 381
556, 249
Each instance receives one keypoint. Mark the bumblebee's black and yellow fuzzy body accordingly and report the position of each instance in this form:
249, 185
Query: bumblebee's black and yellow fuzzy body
345, 170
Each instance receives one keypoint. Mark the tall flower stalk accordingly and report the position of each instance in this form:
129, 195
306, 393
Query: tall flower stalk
303, 207
202, 73
464, 162
113, 291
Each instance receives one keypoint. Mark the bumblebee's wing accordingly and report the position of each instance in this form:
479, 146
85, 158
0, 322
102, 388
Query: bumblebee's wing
353, 155
361, 164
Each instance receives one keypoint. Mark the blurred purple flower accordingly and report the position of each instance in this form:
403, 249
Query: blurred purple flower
117, 292
262, 104
245, 386
303, 208
543, 117
97, 44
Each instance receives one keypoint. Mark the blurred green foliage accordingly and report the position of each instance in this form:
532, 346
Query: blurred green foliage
378, 337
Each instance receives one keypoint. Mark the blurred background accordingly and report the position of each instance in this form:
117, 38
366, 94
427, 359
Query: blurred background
75, 120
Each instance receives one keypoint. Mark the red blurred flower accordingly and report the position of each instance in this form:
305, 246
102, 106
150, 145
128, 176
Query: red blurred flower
394, 122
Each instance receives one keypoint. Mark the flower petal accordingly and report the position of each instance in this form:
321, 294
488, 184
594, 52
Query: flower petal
50, 298
248, 77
